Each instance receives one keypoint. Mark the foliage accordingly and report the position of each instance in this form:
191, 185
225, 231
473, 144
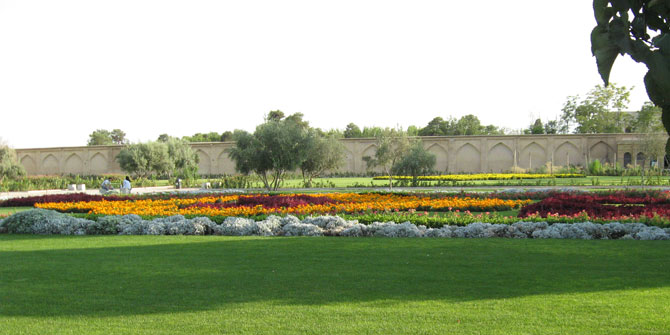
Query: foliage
392, 145
323, 153
39, 221
600, 111
595, 168
466, 125
146, 159
106, 137
352, 131
277, 146
535, 128
617, 32
10, 168
184, 160
417, 162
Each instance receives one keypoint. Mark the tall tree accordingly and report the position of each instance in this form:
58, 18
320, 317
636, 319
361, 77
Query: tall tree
352, 131
600, 111
100, 137
392, 145
324, 153
276, 147
416, 162
617, 32
9, 165
118, 136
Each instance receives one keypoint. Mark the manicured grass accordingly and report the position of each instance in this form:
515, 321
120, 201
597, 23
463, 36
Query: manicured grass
587, 181
214, 284
12, 210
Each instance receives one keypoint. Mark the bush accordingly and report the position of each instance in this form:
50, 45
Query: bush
48, 222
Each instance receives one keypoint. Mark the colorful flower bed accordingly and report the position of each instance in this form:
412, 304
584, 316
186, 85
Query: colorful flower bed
485, 176
616, 206
296, 204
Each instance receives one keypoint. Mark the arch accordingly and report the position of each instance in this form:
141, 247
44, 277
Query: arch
98, 164
205, 164
567, 154
441, 157
369, 151
73, 164
532, 156
500, 158
225, 163
627, 159
50, 165
468, 159
29, 164
640, 158
602, 152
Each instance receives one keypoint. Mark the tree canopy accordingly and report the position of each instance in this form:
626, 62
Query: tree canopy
9, 165
600, 111
279, 145
106, 137
644, 36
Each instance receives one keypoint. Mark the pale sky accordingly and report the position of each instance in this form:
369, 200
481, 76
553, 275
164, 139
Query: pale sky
181, 67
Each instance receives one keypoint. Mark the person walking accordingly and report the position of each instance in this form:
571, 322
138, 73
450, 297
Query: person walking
126, 186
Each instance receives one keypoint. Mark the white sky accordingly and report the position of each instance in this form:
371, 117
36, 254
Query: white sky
181, 67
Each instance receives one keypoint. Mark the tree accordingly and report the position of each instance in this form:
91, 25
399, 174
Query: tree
436, 127
617, 33
601, 111
184, 159
535, 128
100, 137
551, 127
276, 147
392, 145
469, 125
325, 153
10, 167
145, 159
106, 137
118, 136
417, 162
164, 138
648, 119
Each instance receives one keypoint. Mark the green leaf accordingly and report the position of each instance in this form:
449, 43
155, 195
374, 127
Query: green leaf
602, 12
604, 50
621, 5
657, 80
619, 34
662, 42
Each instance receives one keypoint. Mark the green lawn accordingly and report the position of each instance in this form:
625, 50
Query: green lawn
587, 181
213, 284
11, 210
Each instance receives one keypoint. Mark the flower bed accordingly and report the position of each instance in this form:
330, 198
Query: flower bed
603, 206
295, 204
40, 221
485, 176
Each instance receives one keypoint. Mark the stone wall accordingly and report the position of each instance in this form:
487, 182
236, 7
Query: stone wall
454, 154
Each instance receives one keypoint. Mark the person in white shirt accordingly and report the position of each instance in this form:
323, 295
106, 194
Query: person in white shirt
125, 186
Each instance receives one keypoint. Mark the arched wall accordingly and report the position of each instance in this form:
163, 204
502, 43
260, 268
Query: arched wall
467, 154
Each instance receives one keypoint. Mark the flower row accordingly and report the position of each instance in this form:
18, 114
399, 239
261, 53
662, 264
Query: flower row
295, 204
609, 206
39, 221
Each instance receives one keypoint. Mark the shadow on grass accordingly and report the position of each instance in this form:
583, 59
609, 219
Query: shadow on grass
106, 279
